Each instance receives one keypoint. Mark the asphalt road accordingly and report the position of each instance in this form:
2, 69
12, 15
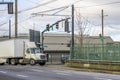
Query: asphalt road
8, 72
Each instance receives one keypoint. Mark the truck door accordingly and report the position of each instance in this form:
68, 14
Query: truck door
27, 54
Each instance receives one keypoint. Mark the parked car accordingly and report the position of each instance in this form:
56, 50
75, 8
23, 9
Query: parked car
64, 59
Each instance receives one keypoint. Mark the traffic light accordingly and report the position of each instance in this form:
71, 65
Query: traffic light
57, 26
10, 8
48, 27
67, 26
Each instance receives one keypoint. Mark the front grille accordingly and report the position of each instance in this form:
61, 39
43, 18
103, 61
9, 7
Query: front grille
42, 56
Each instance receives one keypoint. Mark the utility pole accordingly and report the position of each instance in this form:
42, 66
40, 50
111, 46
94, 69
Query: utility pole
9, 29
72, 41
16, 18
102, 13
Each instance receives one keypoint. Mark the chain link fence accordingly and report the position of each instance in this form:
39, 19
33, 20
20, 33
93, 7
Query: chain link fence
100, 53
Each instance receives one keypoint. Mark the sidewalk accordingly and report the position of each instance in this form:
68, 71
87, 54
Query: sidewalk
82, 69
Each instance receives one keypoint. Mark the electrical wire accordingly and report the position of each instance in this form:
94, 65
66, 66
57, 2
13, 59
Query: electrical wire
43, 4
59, 10
33, 1
6, 21
51, 10
118, 2
110, 26
64, 7
3, 10
86, 19
86, 23
24, 20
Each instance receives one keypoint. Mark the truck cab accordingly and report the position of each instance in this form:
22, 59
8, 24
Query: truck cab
35, 55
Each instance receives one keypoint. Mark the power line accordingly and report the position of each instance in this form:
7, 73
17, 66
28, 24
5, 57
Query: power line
3, 30
51, 15
118, 2
24, 20
62, 8
33, 1
116, 28
6, 21
88, 22
86, 19
4, 10
51, 10
43, 4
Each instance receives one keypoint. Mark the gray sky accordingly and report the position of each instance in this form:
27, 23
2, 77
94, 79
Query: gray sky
89, 10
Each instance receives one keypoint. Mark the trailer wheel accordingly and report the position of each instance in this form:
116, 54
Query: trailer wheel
13, 62
2, 63
32, 62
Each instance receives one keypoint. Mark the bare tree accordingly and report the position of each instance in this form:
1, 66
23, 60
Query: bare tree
81, 25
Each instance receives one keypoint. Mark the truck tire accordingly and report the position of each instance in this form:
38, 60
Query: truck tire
42, 64
2, 63
32, 62
13, 61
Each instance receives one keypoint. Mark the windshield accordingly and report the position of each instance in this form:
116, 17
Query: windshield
35, 50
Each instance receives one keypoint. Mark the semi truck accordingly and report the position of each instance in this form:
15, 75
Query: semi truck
21, 51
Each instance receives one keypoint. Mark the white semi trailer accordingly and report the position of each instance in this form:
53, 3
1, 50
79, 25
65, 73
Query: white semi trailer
21, 51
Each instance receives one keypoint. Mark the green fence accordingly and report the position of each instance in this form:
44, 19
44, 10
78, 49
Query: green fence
93, 52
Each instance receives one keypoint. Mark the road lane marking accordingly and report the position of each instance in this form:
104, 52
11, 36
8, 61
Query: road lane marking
103, 79
3, 72
21, 75
36, 70
63, 74
61, 71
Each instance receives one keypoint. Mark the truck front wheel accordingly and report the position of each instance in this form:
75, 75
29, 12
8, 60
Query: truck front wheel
32, 62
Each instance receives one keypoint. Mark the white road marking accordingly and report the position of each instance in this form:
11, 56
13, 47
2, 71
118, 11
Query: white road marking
61, 71
3, 72
21, 75
103, 79
63, 74
36, 70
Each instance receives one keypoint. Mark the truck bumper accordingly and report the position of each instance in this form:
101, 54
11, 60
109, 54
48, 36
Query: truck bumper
40, 61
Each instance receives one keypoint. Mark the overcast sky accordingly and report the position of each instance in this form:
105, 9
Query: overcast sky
89, 10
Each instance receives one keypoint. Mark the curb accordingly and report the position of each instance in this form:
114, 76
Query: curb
83, 69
